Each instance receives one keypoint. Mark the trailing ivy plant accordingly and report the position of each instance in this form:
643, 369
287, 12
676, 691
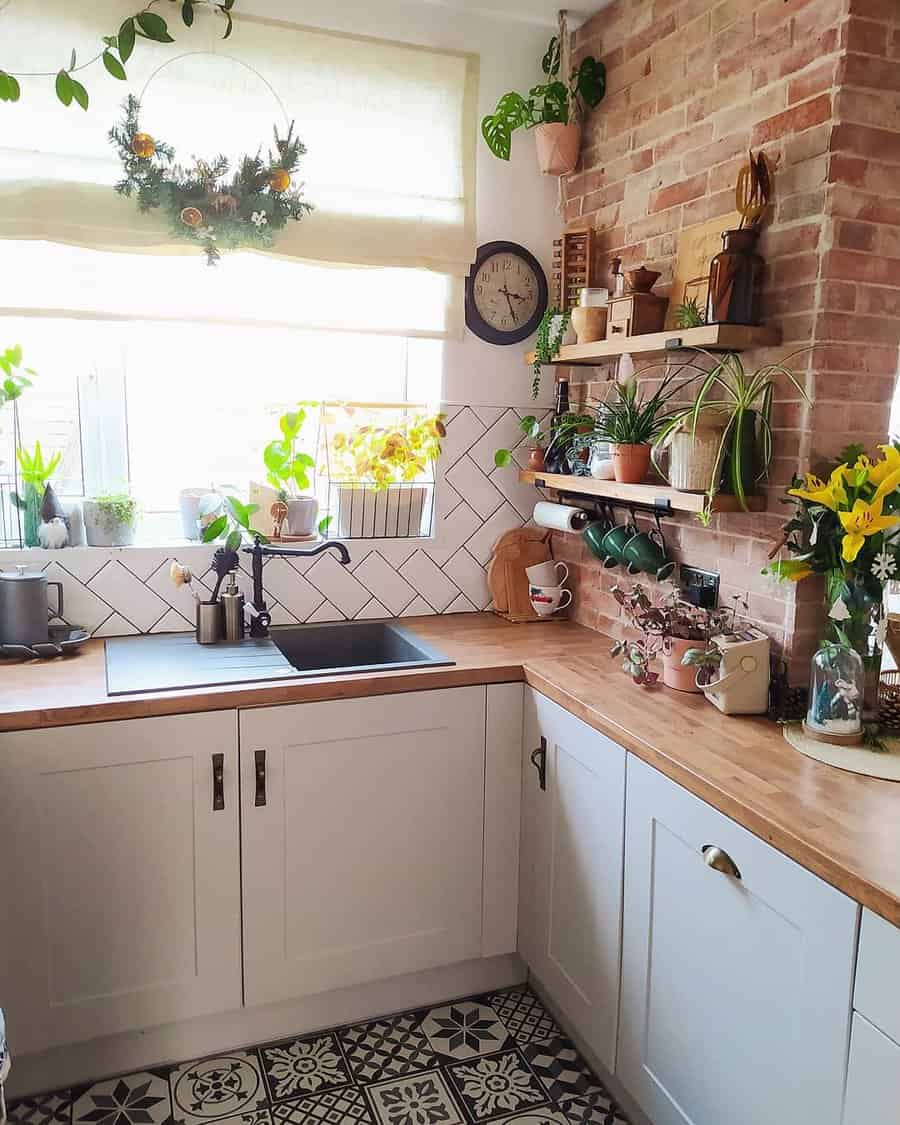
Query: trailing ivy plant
550, 335
117, 50
551, 101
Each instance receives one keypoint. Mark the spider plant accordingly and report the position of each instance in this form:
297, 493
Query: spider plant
743, 400
630, 418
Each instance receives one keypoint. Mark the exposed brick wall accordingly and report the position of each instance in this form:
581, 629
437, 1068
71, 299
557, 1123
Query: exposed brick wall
692, 84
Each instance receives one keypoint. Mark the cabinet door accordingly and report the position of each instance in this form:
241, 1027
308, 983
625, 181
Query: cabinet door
362, 842
873, 1081
121, 881
736, 988
571, 884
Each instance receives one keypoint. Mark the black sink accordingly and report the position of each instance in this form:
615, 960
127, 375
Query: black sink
353, 646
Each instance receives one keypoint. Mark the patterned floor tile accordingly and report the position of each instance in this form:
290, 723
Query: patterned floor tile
524, 1016
464, 1030
420, 1099
387, 1048
496, 1085
594, 1109
303, 1066
217, 1088
347, 1106
536, 1117
45, 1109
561, 1069
137, 1099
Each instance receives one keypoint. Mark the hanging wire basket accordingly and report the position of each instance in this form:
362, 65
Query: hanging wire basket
11, 527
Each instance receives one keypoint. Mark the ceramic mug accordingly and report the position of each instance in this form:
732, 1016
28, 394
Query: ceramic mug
547, 600
646, 551
593, 536
613, 544
547, 573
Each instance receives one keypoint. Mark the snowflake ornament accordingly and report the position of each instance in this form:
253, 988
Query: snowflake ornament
884, 566
839, 611
259, 219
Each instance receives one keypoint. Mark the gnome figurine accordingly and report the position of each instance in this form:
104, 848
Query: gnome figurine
53, 530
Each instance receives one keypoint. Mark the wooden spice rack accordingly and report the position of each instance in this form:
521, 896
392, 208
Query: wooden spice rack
711, 337
659, 496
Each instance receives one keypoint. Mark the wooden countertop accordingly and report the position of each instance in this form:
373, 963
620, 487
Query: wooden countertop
843, 827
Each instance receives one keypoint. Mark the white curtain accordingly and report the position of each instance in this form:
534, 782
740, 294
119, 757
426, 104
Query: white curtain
390, 130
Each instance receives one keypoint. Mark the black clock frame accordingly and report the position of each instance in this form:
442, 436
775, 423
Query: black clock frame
476, 322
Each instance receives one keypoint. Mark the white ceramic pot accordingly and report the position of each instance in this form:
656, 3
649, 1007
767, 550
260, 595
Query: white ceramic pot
102, 530
189, 506
301, 517
693, 459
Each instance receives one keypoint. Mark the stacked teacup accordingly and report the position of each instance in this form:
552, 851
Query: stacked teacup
545, 587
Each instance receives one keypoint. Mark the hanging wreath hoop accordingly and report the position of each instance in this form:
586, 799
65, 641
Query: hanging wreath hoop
205, 202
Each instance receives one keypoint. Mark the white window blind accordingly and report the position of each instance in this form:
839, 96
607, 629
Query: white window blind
390, 130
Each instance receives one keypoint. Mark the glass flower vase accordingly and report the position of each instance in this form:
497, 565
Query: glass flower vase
858, 611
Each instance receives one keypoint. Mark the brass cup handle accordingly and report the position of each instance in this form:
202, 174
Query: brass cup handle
720, 860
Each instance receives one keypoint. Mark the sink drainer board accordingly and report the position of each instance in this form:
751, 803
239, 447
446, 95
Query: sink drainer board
174, 661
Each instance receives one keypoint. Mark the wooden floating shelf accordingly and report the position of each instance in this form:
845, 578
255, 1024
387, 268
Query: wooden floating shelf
652, 495
712, 337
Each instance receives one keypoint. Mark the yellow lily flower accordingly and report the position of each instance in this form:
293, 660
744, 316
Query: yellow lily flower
887, 486
830, 495
793, 569
864, 520
881, 469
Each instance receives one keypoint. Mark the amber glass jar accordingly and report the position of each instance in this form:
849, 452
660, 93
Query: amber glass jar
734, 280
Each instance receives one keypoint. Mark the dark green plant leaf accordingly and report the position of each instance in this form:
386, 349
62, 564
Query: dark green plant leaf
126, 40
324, 524
591, 81
550, 61
233, 540
113, 66
555, 107
64, 90
79, 93
240, 511
10, 91
215, 529
502, 458
497, 128
229, 25
154, 27
187, 13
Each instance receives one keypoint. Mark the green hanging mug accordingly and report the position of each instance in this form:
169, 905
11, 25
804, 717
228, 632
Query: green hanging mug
646, 552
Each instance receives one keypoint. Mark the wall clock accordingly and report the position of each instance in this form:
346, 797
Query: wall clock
506, 293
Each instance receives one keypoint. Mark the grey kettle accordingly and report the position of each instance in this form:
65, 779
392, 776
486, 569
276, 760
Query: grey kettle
24, 606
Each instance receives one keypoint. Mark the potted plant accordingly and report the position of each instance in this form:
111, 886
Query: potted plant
288, 471
631, 422
379, 475
36, 472
551, 333
553, 108
545, 439
742, 402
228, 519
110, 520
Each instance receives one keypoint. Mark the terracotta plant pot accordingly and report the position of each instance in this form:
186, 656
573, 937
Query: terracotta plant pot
631, 463
558, 147
675, 674
535, 460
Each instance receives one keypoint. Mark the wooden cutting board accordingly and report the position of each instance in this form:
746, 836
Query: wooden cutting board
513, 552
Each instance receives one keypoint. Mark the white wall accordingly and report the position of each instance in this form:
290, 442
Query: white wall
514, 201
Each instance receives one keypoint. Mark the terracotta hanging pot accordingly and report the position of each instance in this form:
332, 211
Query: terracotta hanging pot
558, 147
675, 674
631, 463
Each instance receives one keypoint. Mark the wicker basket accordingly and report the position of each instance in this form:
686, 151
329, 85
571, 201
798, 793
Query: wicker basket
889, 700
892, 637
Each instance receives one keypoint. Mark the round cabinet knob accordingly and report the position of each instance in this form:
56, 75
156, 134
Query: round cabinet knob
748, 663
720, 860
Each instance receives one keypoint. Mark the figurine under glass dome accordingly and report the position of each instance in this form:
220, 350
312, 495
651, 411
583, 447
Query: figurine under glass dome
836, 685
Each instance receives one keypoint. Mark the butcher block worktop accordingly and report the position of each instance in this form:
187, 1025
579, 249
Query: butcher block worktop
843, 827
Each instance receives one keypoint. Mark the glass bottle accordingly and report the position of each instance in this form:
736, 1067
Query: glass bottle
734, 279
556, 455
836, 686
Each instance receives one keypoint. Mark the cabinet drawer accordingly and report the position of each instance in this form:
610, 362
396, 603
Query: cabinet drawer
873, 1081
619, 318
877, 993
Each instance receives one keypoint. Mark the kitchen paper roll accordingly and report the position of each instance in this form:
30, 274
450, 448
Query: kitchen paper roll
559, 517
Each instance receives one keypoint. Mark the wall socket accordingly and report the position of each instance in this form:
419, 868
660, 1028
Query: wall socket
699, 587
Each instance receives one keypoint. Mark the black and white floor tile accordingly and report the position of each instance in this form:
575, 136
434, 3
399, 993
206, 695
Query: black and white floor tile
484, 1060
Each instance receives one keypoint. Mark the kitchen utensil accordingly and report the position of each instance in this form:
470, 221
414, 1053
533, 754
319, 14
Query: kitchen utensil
642, 280
24, 609
62, 639
210, 622
233, 606
223, 563
547, 600
647, 552
547, 574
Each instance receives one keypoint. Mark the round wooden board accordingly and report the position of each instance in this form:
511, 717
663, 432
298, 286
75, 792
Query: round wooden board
855, 759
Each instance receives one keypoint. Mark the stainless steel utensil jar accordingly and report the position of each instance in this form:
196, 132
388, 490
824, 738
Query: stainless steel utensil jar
24, 606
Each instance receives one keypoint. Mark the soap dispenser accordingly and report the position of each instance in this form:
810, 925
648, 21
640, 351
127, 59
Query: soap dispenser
233, 601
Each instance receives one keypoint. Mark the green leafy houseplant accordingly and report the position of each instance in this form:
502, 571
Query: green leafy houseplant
549, 435
550, 334
110, 519
287, 467
117, 50
689, 314
12, 380
743, 400
385, 455
36, 472
230, 520
552, 101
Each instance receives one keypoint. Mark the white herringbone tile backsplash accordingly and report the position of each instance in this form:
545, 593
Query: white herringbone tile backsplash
117, 592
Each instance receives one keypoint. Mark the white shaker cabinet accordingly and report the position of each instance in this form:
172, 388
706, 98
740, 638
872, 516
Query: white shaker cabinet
362, 831
573, 809
873, 1081
737, 970
120, 876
